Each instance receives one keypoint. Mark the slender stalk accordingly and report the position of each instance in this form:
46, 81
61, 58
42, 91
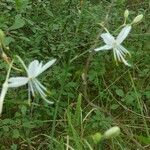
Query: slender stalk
140, 105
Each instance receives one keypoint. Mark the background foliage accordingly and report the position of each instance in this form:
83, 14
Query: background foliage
66, 30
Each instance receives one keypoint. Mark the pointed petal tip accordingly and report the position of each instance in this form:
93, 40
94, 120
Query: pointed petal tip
17, 81
47, 101
105, 47
54, 60
129, 65
47, 65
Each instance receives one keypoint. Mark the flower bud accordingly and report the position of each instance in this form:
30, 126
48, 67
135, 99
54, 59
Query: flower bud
96, 137
112, 132
126, 13
137, 19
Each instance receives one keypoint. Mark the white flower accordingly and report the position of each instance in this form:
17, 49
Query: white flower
34, 69
115, 44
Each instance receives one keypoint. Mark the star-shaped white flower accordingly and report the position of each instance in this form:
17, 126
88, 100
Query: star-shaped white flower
115, 44
34, 69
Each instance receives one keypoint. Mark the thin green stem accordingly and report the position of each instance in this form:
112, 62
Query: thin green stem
140, 105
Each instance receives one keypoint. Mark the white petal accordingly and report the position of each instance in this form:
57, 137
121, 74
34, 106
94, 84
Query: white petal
31, 87
118, 55
41, 86
33, 68
47, 65
2, 96
49, 102
121, 52
17, 81
39, 89
115, 54
106, 47
123, 49
123, 34
39, 68
41, 92
108, 38
43, 95
124, 61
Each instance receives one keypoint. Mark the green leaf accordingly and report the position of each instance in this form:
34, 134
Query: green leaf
16, 133
23, 110
75, 135
129, 99
114, 106
49, 12
145, 140
19, 23
8, 40
21, 5
120, 92
78, 111
25, 39
147, 94
13, 147
28, 125
5, 128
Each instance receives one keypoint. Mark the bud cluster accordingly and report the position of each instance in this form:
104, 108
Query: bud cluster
136, 20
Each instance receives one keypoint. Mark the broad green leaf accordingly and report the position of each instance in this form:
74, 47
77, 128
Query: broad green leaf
8, 40
19, 23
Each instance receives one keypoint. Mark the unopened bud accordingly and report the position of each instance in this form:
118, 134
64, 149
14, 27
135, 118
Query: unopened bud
112, 132
137, 19
126, 13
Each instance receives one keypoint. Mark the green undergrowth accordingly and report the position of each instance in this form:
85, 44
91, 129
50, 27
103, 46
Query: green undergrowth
113, 96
